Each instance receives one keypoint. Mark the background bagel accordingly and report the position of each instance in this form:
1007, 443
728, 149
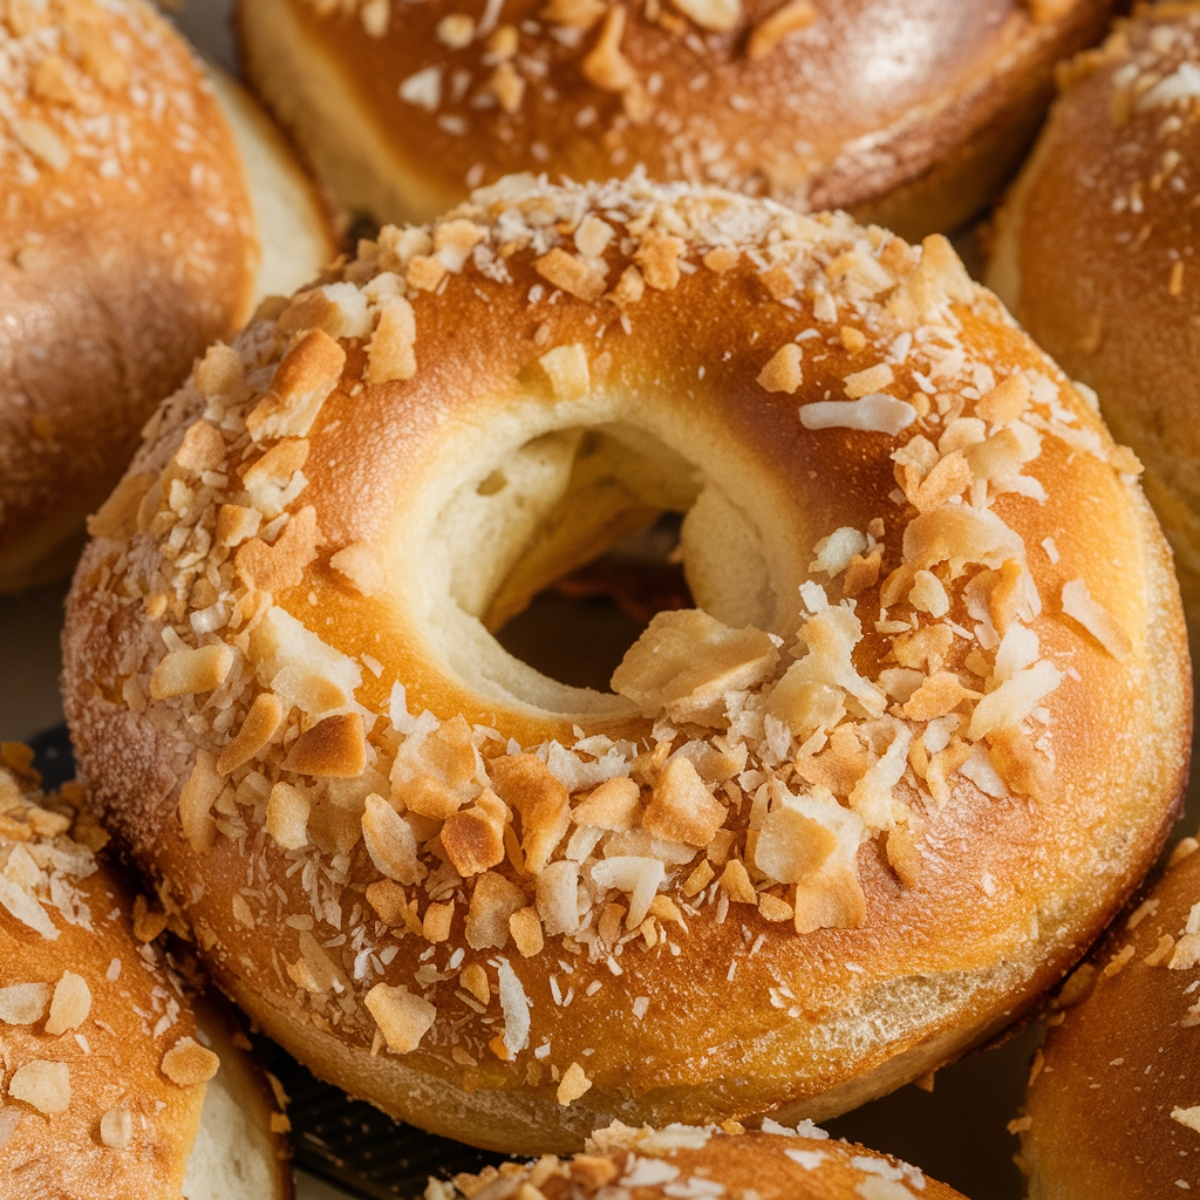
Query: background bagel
128, 244
1093, 252
805, 1165
1113, 1108
109, 1088
875, 828
404, 108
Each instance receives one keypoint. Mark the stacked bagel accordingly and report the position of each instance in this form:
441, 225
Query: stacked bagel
130, 240
109, 1086
855, 780
907, 113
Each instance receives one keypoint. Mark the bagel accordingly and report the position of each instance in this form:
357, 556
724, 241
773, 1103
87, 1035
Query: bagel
1113, 1108
403, 108
835, 785
128, 244
685, 1160
108, 1086
1093, 253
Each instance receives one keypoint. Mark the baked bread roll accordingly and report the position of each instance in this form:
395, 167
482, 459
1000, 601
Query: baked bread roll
1093, 253
109, 1088
908, 114
128, 244
849, 790
1113, 1109
685, 1160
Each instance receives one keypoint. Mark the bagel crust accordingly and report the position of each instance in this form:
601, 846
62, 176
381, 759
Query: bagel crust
927, 727
405, 107
1094, 252
103, 1078
126, 246
1113, 1109
620, 1163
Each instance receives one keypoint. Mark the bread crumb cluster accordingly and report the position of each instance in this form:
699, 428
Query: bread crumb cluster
765, 763
78, 78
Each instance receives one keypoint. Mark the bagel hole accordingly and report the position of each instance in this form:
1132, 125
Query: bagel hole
556, 554
578, 630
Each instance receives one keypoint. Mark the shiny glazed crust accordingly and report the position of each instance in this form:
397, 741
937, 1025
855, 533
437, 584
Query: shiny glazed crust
1094, 253
810, 848
620, 1163
404, 107
127, 245
1114, 1107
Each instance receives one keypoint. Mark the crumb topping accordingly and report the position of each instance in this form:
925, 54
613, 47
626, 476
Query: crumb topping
765, 766
63, 63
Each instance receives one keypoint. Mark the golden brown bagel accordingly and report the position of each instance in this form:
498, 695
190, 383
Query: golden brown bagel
908, 113
128, 243
280, 681
1094, 252
108, 1089
684, 1160
1113, 1110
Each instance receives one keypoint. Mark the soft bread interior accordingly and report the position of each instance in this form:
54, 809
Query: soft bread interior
524, 518
290, 217
236, 1156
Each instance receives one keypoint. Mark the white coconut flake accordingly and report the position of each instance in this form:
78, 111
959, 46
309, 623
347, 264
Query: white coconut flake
1182, 84
1014, 700
649, 1172
810, 1160
979, 770
515, 1005
833, 553
1077, 602
26, 909
876, 413
424, 89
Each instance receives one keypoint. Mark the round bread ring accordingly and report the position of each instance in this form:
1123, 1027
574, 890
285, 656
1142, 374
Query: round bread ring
479, 466
1092, 256
122, 255
1113, 1108
779, 1165
403, 120
108, 1088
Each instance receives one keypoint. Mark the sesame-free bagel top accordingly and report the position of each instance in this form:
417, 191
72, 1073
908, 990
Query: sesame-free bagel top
925, 730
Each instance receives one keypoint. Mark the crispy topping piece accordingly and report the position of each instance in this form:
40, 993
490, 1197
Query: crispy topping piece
794, 16
24, 1003
681, 808
567, 369
44, 1085
187, 672
573, 1084
188, 1063
71, 1004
